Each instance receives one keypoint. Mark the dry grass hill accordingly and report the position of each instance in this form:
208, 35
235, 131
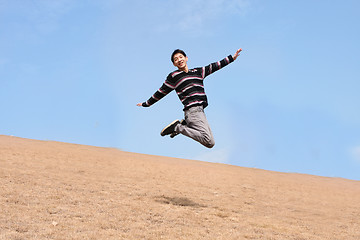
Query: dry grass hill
53, 190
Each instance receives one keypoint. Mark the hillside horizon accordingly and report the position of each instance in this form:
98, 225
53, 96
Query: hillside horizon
56, 190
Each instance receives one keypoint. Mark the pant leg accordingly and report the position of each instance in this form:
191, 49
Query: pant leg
197, 127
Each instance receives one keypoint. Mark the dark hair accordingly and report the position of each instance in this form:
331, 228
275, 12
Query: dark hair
175, 52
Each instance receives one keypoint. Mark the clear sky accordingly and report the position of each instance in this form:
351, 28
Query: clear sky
73, 71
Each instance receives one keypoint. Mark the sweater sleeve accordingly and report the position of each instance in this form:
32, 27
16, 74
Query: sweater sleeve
213, 67
165, 89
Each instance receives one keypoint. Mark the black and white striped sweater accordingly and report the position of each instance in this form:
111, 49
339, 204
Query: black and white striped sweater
189, 86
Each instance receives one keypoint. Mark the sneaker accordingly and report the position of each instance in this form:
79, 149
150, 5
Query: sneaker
169, 128
173, 134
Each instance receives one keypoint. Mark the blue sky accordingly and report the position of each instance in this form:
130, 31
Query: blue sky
73, 71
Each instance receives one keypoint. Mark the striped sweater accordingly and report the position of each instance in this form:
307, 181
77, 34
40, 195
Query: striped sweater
188, 86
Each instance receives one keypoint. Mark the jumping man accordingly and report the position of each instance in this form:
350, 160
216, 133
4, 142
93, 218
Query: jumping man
189, 86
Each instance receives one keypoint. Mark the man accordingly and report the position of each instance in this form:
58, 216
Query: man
188, 84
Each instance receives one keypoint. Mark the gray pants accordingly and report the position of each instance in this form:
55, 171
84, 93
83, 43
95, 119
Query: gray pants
197, 127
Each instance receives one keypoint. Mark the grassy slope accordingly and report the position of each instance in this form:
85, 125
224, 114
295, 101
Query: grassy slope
52, 190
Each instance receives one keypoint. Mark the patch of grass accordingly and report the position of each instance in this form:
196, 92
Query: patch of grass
178, 201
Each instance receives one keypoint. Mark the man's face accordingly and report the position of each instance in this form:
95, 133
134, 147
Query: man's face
180, 61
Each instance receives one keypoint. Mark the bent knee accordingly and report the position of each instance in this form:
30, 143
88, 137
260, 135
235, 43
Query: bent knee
210, 145
209, 142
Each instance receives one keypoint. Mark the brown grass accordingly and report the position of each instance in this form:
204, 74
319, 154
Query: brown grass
52, 190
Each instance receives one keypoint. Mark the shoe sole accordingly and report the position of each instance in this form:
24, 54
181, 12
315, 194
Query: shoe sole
167, 127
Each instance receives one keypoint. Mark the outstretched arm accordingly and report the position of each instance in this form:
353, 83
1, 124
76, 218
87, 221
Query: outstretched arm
213, 67
237, 53
166, 88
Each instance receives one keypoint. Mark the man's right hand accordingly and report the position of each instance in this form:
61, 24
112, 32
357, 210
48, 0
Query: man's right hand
237, 53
